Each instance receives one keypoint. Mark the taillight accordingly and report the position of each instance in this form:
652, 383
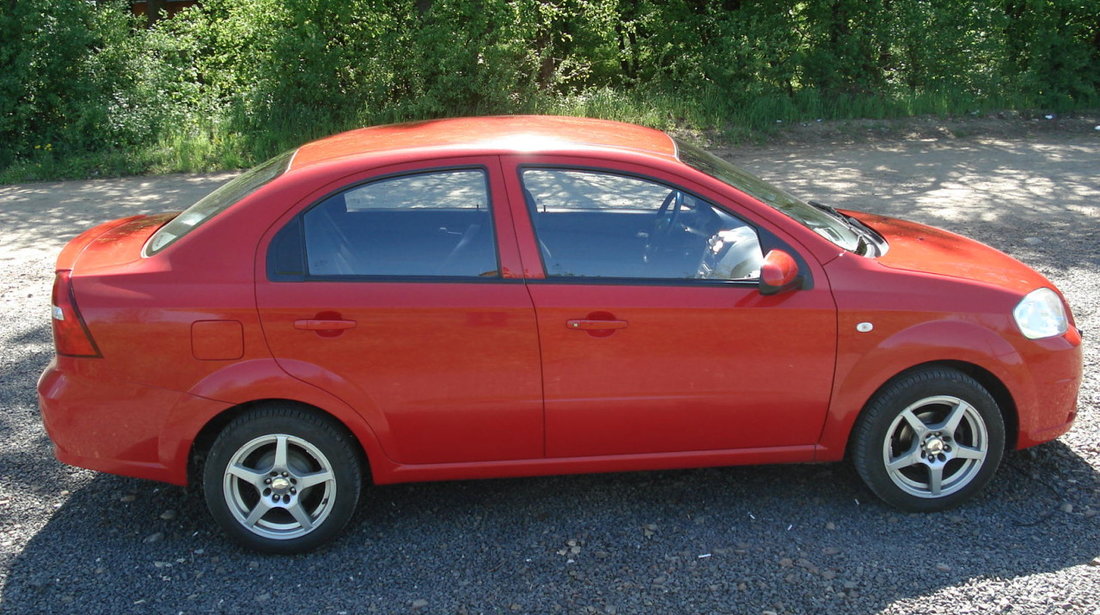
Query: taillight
70, 335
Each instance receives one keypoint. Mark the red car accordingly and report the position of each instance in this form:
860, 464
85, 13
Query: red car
513, 296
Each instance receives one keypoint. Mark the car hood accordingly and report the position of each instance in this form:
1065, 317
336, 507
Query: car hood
917, 247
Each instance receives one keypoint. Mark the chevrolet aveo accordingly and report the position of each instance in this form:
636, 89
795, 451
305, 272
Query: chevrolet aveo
513, 296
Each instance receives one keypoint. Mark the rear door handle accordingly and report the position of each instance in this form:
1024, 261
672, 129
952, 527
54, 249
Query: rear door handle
595, 325
323, 325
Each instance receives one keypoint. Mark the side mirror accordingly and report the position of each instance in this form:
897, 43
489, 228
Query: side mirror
779, 273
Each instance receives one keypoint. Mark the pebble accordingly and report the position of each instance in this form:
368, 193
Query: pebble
168, 515
1067, 507
943, 567
830, 526
129, 497
154, 537
419, 603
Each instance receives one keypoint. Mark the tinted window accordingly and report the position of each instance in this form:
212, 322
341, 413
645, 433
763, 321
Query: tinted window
593, 224
428, 224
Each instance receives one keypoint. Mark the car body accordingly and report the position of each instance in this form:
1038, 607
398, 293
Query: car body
522, 295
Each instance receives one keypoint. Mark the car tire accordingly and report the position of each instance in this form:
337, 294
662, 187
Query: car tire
929, 440
283, 479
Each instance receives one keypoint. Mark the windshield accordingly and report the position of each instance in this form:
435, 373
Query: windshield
218, 201
829, 226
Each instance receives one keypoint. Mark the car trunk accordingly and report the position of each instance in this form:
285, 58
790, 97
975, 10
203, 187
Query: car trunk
111, 243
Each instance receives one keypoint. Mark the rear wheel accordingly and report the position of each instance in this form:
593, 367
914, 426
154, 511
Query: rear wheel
282, 479
929, 440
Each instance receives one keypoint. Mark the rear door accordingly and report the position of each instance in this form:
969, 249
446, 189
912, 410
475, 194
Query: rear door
654, 336
393, 291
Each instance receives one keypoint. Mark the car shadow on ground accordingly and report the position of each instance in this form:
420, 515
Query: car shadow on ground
802, 538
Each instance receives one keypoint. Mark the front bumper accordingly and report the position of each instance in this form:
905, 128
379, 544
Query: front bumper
1048, 405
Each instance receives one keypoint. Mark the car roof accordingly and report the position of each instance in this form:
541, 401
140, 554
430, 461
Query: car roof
496, 134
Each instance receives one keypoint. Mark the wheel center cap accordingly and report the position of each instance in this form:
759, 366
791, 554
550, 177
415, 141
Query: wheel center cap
934, 446
280, 484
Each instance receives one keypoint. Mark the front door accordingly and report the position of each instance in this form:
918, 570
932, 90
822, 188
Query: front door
654, 336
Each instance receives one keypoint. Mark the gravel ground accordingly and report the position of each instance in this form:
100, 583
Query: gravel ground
778, 539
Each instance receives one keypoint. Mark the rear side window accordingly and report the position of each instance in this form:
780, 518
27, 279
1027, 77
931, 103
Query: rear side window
218, 201
434, 224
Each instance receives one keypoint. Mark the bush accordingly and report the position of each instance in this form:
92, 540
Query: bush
75, 80
84, 87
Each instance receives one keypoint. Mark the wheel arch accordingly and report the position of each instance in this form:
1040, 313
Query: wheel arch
989, 381
204, 439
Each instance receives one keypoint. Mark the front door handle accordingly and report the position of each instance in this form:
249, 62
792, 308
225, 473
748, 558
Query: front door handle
323, 325
595, 325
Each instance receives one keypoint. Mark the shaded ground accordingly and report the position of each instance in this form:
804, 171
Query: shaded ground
785, 539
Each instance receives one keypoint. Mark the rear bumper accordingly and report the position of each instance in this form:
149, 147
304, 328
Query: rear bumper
108, 426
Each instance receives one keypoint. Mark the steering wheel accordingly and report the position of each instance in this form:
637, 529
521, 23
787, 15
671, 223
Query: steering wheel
663, 222
668, 212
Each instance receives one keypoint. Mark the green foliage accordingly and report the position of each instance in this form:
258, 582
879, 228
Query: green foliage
87, 89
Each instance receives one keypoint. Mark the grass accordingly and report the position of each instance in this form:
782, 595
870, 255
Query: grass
219, 144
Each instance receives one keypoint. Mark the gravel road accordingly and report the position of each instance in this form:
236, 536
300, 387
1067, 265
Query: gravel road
778, 539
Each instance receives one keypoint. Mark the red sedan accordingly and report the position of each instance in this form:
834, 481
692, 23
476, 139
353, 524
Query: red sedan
512, 296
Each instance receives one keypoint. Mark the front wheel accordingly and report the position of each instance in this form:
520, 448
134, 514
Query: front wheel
929, 440
283, 480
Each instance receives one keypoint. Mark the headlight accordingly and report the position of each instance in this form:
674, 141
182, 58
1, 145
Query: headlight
1041, 314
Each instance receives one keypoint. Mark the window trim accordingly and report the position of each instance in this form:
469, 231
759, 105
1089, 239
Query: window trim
275, 276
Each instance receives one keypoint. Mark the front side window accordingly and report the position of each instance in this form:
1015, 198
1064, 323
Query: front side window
426, 224
592, 224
